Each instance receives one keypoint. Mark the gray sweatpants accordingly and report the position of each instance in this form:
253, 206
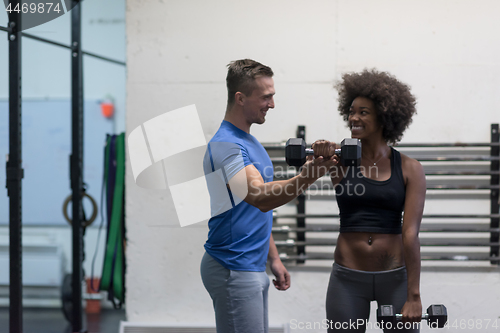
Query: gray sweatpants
239, 297
351, 291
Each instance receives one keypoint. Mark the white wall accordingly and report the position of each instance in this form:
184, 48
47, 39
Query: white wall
177, 51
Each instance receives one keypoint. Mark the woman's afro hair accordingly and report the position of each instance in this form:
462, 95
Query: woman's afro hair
393, 100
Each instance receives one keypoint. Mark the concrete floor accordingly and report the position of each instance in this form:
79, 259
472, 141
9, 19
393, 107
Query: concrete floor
50, 320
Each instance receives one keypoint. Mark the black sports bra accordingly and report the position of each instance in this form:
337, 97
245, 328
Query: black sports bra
368, 205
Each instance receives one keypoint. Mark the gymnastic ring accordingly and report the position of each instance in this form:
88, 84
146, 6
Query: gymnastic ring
94, 209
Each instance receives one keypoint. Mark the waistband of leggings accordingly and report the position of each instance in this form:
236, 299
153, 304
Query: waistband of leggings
395, 270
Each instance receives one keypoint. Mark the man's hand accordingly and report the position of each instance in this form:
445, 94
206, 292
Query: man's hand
324, 148
324, 159
282, 281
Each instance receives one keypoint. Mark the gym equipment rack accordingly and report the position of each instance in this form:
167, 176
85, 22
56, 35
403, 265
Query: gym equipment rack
453, 170
15, 171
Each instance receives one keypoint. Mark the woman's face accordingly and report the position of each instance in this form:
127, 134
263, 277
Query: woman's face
362, 119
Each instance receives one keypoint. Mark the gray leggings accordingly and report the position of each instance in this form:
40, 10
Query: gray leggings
351, 291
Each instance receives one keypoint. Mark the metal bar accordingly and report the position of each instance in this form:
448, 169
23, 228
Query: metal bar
463, 158
287, 229
301, 206
495, 198
423, 242
457, 243
462, 173
15, 173
335, 228
452, 158
76, 164
452, 257
451, 174
48, 41
472, 230
462, 187
446, 145
329, 187
281, 145
34, 225
451, 216
459, 257
104, 58
291, 174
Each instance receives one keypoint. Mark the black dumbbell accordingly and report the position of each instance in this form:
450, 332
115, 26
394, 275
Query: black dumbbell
436, 315
349, 152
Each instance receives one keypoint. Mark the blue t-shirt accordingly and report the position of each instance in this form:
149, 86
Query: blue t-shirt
239, 233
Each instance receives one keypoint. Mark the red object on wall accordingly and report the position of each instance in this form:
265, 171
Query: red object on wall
93, 305
107, 109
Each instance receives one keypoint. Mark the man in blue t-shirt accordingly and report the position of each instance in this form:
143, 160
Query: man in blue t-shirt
239, 240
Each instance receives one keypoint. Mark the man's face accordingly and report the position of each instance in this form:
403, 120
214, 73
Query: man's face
256, 105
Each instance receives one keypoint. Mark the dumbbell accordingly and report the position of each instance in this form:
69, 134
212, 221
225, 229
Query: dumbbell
436, 315
349, 152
